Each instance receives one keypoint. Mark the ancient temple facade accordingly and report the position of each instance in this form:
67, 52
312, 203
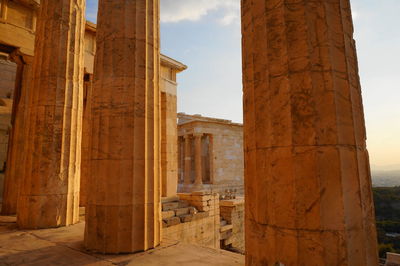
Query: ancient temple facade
210, 155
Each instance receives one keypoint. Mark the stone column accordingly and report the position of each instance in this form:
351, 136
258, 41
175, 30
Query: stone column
123, 208
49, 192
15, 155
308, 184
188, 161
197, 160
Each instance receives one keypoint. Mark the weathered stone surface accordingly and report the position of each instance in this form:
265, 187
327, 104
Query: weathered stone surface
169, 199
194, 229
186, 218
15, 158
63, 246
172, 221
123, 209
392, 259
167, 214
183, 204
202, 208
226, 228
181, 211
192, 210
169, 136
308, 184
201, 215
49, 191
86, 139
170, 206
169, 128
232, 211
226, 234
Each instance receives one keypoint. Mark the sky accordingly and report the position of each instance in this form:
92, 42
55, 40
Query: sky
205, 35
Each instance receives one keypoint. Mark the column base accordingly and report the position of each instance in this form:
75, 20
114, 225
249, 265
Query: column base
47, 211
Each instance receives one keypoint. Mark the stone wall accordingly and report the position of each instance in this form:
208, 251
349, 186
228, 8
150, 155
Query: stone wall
227, 143
232, 211
201, 227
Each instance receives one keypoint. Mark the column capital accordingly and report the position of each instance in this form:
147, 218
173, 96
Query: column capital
198, 135
187, 136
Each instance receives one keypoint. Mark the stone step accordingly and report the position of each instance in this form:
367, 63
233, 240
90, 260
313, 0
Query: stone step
169, 199
181, 211
226, 235
167, 214
171, 221
228, 241
186, 218
169, 206
226, 228
183, 204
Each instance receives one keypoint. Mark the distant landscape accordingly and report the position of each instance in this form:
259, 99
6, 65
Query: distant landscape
385, 178
387, 210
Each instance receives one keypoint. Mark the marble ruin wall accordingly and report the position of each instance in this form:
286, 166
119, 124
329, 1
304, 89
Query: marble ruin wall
192, 218
232, 215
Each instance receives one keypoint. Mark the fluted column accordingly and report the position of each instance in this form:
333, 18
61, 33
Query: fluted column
123, 209
188, 161
49, 192
16, 153
197, 160
308, 184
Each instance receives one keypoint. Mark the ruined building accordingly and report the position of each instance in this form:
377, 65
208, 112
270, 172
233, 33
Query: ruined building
210, 155
102, 141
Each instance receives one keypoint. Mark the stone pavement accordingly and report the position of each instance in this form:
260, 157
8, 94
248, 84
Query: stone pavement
64, 246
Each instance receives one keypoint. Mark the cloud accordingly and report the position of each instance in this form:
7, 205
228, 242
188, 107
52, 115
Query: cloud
194, 10
229, 18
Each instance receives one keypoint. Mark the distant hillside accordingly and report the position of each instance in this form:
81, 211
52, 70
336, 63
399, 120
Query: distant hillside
390, 178
387, 211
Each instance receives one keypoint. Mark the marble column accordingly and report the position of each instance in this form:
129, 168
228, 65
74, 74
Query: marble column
123, 207
15, 154
49, 190
308, 183
197, 160
188, 161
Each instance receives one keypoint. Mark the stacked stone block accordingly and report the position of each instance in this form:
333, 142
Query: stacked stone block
192, 218
175, 211
232, 211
